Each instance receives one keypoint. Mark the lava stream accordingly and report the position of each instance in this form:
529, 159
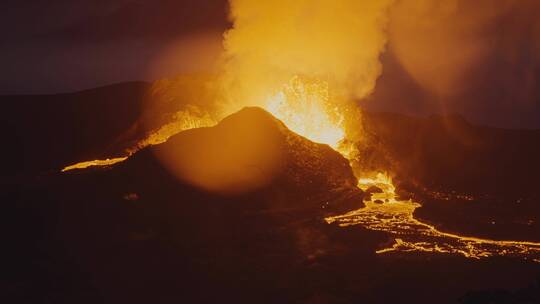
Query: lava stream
385, 212
95, 163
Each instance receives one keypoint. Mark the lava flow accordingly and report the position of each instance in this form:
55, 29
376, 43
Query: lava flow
385, 212
95, 163
186, 119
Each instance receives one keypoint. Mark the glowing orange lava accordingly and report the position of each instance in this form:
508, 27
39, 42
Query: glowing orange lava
305, 108
385, 212
94, 163
189, 118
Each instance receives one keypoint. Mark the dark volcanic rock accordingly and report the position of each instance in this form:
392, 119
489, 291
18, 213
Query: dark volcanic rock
487, 175
302, 174
447, 152
135, 232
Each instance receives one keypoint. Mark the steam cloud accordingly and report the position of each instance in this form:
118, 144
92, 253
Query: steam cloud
338, 41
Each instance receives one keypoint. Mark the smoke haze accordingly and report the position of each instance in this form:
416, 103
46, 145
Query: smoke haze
477, 58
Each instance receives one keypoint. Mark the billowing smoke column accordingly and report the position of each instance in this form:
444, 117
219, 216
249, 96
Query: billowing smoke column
273, 41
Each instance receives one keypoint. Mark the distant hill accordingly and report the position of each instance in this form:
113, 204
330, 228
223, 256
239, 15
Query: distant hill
449, 152
45, 132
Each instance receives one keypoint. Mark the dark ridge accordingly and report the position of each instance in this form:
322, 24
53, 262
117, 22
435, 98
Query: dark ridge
47, 132
447, 152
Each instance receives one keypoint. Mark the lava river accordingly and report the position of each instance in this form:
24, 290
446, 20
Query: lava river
385, 212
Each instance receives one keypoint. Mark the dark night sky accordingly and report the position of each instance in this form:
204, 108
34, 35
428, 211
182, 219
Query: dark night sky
51, 46
65, 45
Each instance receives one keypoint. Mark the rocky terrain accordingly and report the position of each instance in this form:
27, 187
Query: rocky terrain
138, 232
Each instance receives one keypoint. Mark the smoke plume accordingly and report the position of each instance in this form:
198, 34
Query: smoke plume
272, 41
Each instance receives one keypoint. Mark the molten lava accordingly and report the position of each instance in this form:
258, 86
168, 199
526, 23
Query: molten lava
305, 108
189, 118
384, 211
95, 163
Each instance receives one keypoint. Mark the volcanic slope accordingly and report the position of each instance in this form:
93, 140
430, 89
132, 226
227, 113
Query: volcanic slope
136, 232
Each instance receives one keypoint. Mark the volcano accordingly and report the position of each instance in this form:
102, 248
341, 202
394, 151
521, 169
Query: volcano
143, 230
301, 173
105, 224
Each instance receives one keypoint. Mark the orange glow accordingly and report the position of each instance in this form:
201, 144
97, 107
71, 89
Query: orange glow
382, 181
305, 108
386, 212
241, 153
94, 163
189, 118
